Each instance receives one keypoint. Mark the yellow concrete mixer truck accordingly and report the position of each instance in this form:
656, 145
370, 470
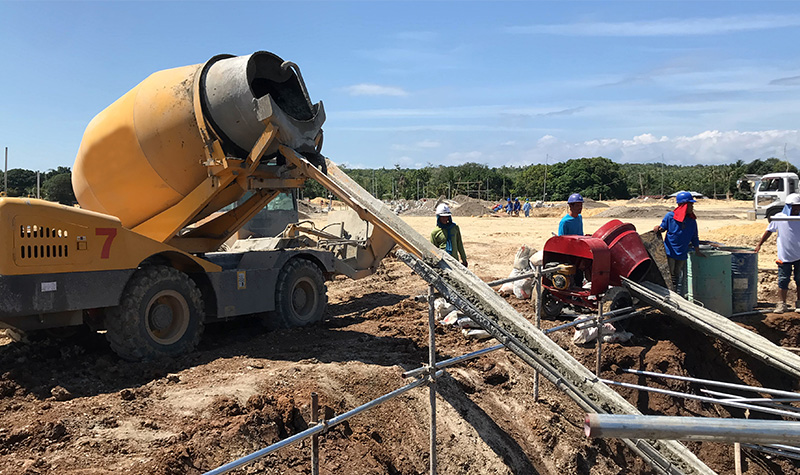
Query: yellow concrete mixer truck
140, 258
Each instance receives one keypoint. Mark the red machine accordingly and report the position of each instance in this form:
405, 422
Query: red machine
588, 265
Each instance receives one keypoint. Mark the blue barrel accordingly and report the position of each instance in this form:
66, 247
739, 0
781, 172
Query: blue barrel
709, 281
744, 278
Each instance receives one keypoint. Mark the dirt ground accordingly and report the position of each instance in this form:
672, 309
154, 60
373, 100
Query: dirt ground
75, 408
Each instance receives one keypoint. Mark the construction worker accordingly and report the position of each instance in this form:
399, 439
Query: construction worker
572, 222
517, 206
681, 227
526, 208
788, 251
446, 235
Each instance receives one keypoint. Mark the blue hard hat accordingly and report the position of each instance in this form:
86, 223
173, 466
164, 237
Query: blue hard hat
684, 197
575, 198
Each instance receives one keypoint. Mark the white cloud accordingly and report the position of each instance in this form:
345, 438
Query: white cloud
708, 147
428, 144
665, 26
375, 90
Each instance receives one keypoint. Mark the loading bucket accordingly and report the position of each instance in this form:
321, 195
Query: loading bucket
709, 280
744, 278
629, 257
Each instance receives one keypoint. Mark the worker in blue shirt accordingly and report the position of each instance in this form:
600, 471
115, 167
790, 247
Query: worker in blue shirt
681, 227
572, 222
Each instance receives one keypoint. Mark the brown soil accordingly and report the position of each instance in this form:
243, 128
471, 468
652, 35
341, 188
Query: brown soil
69, 408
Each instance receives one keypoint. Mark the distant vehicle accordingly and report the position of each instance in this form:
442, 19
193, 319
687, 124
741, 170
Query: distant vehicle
695, 194
771, 193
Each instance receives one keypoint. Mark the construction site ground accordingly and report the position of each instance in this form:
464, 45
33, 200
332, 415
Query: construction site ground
73, 407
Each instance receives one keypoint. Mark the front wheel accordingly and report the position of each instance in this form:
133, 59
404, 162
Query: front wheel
160, 314
551, 306
300, 296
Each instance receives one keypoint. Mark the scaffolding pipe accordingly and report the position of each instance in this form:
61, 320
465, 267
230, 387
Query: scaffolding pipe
706, 429
452, 361
320, 428
767, 400
432, 382
723, 402
710, 382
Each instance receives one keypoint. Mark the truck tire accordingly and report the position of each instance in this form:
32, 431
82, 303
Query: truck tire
300, 295
160, 314
773, 211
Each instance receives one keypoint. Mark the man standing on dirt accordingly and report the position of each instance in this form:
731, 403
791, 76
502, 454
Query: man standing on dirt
572, 222
446, 235
526, 208
788, 251
681, 227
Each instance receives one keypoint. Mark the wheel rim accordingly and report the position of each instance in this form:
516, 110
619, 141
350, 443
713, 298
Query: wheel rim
304, 298
167, 317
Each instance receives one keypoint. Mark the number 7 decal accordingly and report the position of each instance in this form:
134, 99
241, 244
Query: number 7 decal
110, 234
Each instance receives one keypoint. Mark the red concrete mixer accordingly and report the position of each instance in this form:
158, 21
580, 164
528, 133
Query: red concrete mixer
591, 268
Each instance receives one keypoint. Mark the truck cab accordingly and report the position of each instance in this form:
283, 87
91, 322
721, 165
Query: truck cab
771, 193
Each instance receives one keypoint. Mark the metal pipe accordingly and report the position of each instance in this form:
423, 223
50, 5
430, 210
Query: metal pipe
723, 402
452, 361
753, 399
432, 382
708, 429
538, 325
315, 437
322, 427
776, 392
495, 283
771, 451
591, 319
599, 356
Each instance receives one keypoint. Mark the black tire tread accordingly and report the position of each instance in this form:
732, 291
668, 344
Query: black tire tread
283, 288
123, 322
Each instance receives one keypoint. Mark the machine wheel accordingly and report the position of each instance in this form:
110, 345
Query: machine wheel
616, 298
300, 296
160, 314
551, 306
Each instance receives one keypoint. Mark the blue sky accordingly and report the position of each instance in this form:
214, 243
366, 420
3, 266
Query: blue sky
417, 83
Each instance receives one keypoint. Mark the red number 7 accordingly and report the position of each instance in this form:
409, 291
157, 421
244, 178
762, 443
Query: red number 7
110, 234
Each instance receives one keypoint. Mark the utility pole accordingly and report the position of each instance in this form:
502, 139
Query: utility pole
662, 175
5, 175
417, 188
544, 187
38, 186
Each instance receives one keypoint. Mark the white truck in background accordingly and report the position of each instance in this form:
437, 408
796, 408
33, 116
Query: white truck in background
771, 193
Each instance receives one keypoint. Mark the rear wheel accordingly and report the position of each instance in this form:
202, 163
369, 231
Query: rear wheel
616, 298
160, 314
300, 296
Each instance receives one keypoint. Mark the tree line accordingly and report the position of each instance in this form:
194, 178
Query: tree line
54, 185
598, 178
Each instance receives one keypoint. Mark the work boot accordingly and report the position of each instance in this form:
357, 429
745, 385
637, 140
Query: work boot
780, 308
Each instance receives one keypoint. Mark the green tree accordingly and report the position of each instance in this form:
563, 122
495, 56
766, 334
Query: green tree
21, 182
59, 188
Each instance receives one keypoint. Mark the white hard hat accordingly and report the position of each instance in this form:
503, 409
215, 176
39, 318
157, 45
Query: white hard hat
443, 210
793, 199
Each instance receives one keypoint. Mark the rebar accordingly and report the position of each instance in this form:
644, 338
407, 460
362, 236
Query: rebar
710, 382
771, 451
315, 437
723, 402
708, 429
